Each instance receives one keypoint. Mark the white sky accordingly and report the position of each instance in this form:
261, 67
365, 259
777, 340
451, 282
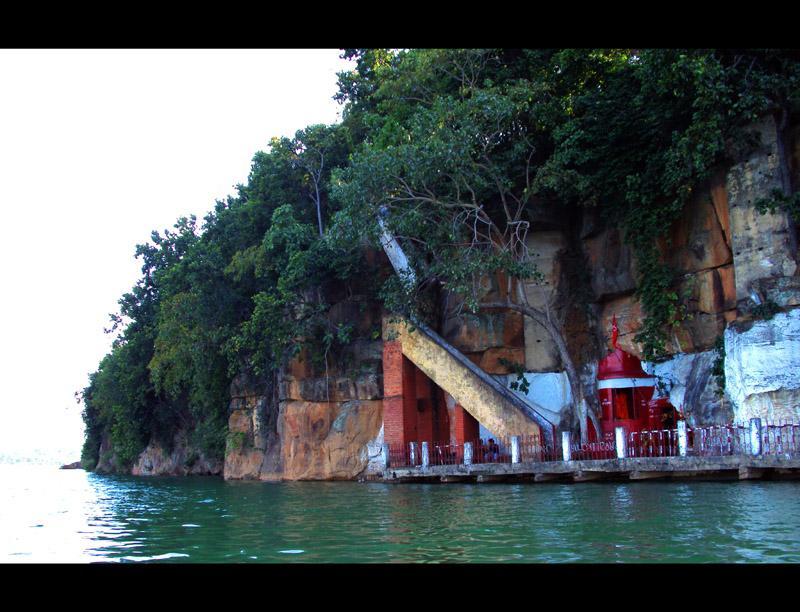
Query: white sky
97, 149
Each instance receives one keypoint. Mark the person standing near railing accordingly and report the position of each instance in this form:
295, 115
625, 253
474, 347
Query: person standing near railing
493, 451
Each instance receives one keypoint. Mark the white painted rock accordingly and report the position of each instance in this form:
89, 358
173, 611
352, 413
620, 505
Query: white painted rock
548, 393
688, 382
762, 368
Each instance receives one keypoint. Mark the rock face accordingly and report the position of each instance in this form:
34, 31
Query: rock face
611, 263
762, 368
325, 420
252, 440
698, 249
546, 249
761, 243
549, 390
107, 462
327, 440
181, 460
723, 252
689, 383
313, 422
311, 441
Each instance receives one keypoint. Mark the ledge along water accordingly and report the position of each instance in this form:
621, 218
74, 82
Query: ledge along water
633, 468
750, 452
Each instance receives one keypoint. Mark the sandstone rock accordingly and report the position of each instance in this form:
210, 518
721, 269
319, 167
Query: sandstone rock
713, 291
300, 366
541, 354
181, 460
366, 385
697, 239
611, 265
490, 361
244, 385
762, 368
628, 311
327, 441
783, 291
698, 333
241, 421
365, 317
514, 330
107, 461
243, 464
365, 351
545, 249
719, 200
761, 243
75, 465
475, 333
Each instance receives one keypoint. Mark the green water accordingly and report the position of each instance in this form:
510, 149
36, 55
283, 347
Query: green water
71, 516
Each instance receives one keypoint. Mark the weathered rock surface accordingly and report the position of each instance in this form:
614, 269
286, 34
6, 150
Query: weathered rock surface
548, 391
181, 460
546, 250
762, 368
75, 465
761, 243
107, 462
688, 381
697, 240
477, 333
611, 265
326, 440
629, 314
783, 291
316, 427
363, 386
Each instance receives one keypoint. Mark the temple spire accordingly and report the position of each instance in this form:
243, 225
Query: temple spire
614, 331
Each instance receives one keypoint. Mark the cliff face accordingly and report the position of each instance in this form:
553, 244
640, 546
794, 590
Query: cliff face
180, 459
325, 420
314, 423
723, 252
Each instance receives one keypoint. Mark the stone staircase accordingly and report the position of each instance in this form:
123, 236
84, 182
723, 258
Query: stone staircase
498, 408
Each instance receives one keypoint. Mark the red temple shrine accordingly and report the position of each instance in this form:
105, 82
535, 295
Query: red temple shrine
625, 392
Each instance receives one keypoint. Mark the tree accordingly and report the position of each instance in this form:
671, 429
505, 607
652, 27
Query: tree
462, 145
455, 187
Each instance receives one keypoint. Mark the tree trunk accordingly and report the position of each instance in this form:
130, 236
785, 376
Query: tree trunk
566, 359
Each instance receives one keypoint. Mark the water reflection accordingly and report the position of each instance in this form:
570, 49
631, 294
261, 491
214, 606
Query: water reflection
73, 516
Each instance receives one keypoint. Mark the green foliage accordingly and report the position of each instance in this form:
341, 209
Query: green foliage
242, 294
779, 201
235, 440
521, 384
631, 133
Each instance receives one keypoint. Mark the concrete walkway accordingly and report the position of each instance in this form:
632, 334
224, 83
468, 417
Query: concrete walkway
642, 468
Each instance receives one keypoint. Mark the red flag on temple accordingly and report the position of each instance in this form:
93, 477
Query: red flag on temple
614, 331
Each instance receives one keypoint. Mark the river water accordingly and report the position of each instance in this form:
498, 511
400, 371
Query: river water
51, 515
